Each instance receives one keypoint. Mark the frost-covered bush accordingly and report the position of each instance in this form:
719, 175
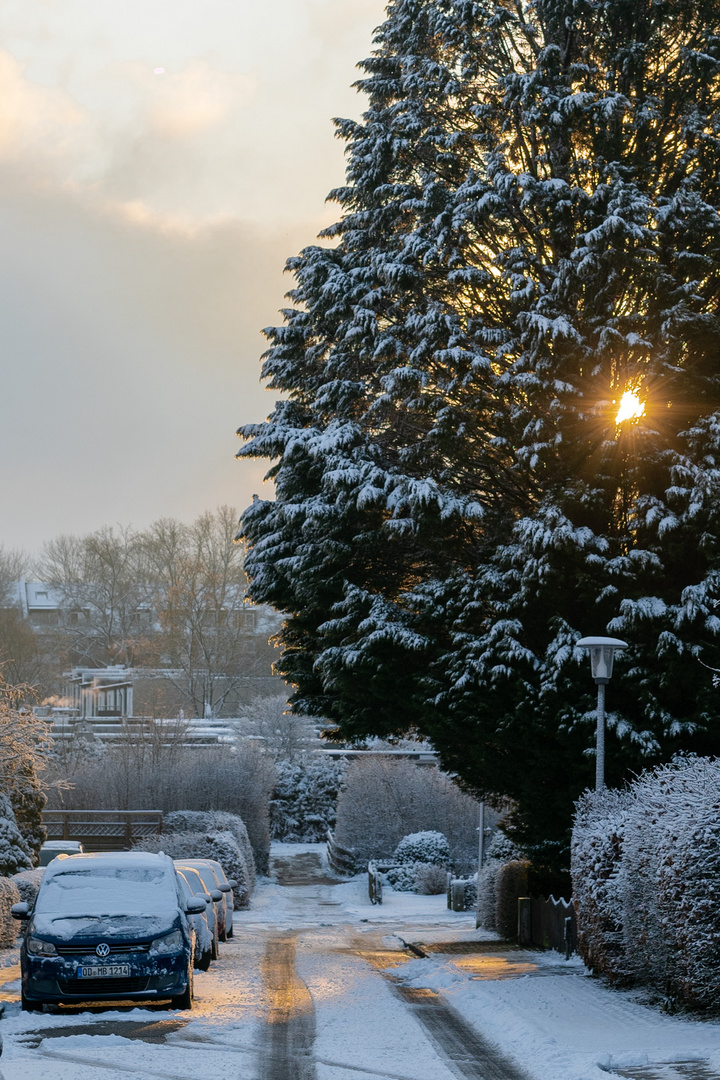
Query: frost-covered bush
486, 902
423, 847
214, 820
132, 776
28, 883
430, 879
596, 854
403, 878
383, 799
218, 844
9, 895
647, 872
303, 805
14, 852
510, 884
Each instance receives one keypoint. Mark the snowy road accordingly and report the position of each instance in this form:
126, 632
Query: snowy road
319, 985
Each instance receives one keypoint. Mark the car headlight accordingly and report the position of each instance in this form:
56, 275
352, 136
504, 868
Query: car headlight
170, 943
37, 947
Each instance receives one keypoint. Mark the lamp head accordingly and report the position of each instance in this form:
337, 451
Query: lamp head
602, 653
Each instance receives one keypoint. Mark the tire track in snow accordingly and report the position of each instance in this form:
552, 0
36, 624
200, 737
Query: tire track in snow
285, 1051
467, 1053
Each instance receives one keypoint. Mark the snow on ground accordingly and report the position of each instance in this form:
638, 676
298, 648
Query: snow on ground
546, 1014
565, 1026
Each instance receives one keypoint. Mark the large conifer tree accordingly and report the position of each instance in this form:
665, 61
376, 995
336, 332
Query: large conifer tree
529, 230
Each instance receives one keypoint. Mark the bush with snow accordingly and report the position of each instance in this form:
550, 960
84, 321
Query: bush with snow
303, 804
14, 852
382, 799
218, 844
646, 871
511, 883
403, 878
430, 879
597, 847
28, 883
423, 847
9, 895
214, 820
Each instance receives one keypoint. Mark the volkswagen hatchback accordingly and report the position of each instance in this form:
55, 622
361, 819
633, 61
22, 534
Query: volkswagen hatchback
108, 927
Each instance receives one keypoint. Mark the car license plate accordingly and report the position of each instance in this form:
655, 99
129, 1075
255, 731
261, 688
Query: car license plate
104, 971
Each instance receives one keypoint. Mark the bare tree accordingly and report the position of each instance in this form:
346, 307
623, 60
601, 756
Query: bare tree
285, 735
13, 567
200, 597
104, 588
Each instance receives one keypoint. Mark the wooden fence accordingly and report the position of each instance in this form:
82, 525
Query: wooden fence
102, 830
547, 924
342, 861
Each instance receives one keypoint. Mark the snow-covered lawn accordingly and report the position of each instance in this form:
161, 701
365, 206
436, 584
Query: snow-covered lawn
544, 1014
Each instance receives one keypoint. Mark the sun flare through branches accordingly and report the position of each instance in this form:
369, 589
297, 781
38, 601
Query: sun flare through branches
631, 407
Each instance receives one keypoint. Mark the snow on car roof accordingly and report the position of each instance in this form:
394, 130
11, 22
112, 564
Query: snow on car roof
122, 883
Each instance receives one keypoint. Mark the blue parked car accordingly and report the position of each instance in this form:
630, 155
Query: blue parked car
108, 927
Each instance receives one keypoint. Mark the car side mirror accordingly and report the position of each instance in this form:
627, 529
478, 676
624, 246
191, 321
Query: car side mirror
195, 905
232, 883
225, 887
216, 895
20, 911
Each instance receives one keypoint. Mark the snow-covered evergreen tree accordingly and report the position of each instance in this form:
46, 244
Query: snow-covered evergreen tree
529, 233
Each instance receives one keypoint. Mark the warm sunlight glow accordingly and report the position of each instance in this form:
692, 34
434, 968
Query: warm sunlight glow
631, 407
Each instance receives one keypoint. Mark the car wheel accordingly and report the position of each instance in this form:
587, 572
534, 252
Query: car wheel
230, 932
29, 1006
204, 962
215, 952
223, 936
185, 1000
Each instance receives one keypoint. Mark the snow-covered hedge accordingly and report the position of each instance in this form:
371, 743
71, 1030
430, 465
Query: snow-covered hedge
28, 883
512, 882
403, 878
303, 804
423, 847
383, 799
597, 846
218, 844
214, 820
9, 927
650, 870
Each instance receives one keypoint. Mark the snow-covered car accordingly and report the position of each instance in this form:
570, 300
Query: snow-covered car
108, 926
203, 935
214, 877
52, 848
212, 899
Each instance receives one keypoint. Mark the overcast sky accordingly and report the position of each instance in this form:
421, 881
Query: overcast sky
159, 160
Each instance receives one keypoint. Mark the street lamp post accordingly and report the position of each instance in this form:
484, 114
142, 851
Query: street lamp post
602, 653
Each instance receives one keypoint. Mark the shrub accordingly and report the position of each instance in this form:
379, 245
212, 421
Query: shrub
596, 854
647, 874
383, 799
28, 883
304, 803
9, 895
486, 899
220, 845
14, 852
213, 820
134, 775
423, 847
511, 883
403, 878
430, 879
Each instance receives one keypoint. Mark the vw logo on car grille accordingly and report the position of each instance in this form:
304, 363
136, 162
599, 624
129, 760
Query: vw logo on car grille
103, 950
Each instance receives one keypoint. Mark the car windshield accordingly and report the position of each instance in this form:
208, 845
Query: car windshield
108, 890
